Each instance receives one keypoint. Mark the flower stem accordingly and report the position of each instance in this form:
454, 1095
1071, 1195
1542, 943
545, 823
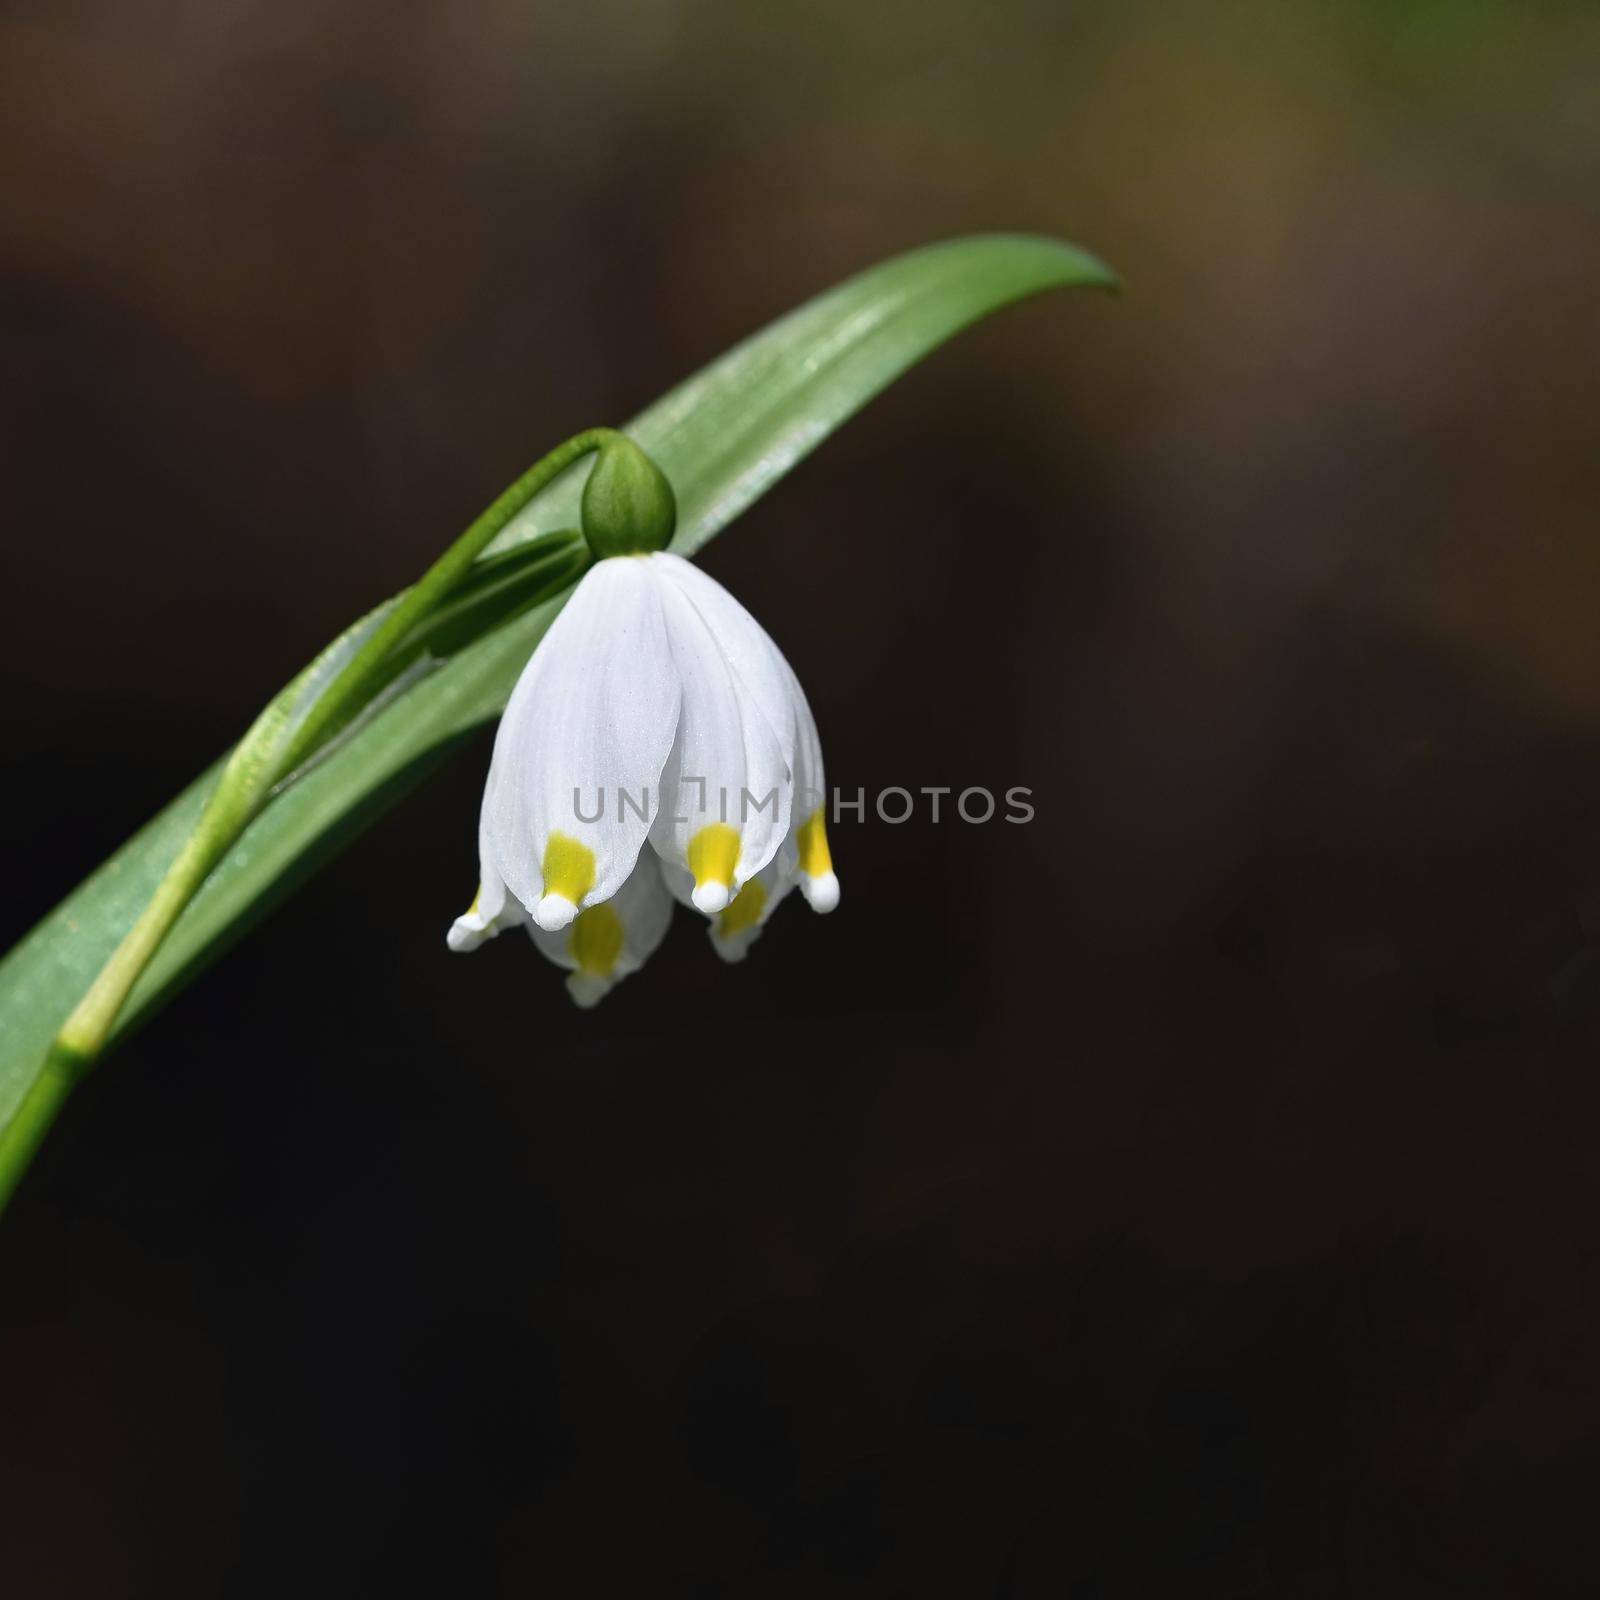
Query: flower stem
434, 585
30, 1122
279, 741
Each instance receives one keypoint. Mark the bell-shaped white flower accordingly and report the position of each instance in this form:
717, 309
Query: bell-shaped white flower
657, 745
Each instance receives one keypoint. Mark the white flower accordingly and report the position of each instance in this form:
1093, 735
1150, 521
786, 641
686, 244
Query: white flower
657, 746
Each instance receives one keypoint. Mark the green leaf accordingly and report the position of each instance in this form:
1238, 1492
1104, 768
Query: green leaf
724, 437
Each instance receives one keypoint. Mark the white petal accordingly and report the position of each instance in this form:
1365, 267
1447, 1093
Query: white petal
726, 791
609, 940
814, 860
492, 912
757, 663
679, 881
735, 929
576, 773
821, 890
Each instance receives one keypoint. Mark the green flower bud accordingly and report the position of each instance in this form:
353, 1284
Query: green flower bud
628, 505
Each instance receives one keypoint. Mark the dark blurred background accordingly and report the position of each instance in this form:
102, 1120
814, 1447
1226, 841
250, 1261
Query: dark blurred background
1191, 1192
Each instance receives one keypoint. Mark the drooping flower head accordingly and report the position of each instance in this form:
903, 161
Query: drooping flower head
656, 746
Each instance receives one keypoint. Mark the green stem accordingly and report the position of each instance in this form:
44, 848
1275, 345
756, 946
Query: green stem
84, 1033
433, 586
30, 1122
275, 746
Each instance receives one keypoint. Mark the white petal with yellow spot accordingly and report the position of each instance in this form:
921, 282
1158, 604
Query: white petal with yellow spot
578, 757
607, 941
727, 790
818, 882
739, 925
